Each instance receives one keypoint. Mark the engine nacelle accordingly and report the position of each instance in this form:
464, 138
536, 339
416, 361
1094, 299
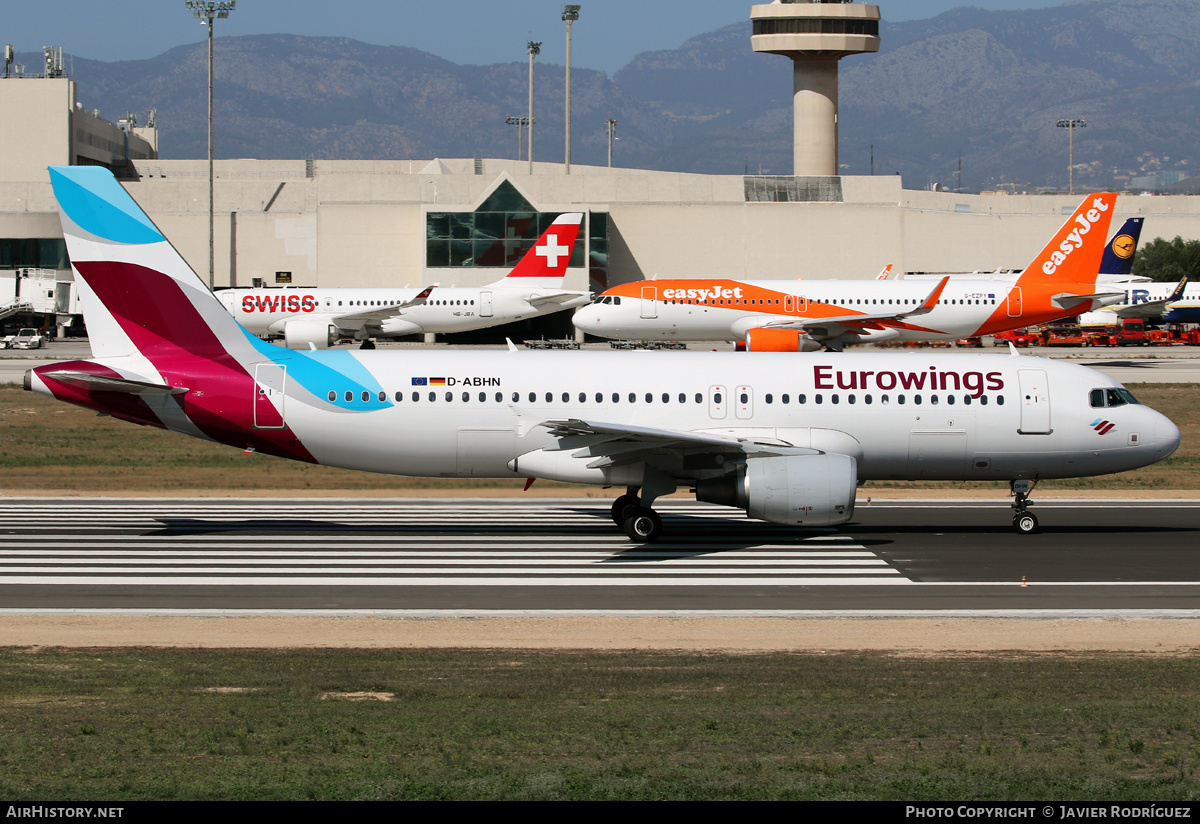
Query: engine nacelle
795, 490
298, 334
779, 340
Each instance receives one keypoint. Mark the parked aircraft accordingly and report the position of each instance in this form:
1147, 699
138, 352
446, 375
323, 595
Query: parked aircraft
1158, 302
786, 441
811, 314
318, 317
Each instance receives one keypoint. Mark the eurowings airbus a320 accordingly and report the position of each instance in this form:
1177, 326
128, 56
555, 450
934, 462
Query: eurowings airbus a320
786, 441
306, 317
813, 314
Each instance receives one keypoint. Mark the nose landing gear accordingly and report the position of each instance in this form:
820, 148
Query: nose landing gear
1024, 521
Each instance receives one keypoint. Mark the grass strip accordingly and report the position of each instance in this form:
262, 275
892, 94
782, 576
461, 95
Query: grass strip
130, 724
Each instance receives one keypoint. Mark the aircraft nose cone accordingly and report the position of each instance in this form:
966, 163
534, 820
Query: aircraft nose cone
583, 318
1166, 437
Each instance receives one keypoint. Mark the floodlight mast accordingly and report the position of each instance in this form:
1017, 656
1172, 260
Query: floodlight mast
1071, 125
570, 14
205, 12
534, 47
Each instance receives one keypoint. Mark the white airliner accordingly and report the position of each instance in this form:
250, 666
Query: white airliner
318, 317
788, 441
1177, 302
813, 314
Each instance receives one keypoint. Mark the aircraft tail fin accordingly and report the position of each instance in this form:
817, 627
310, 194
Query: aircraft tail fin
1118, 255
545, 265
137, 292
1072, 257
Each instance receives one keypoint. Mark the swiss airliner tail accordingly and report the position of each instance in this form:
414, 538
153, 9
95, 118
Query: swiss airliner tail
545, 265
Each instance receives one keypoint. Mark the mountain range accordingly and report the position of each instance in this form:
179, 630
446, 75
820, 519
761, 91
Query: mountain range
977, 87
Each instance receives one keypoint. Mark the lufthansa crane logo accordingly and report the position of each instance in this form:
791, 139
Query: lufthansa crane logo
1123, 246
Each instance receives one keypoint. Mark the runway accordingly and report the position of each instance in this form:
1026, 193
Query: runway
565, 556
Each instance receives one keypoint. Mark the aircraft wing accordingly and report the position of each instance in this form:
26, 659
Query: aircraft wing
107, 383
615, 444
831, 327
1154, 308
376, 314
543, 298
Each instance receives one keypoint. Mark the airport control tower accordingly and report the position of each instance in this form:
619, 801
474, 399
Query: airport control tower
816, 34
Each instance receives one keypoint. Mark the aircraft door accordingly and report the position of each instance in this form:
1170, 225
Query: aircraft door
485, 304
269, 382
743, 397
1014, 302
717, 402
649, 301
1035, 402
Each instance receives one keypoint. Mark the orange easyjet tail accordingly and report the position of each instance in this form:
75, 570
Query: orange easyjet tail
1061, 280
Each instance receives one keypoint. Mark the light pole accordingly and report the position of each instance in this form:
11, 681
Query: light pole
611, 126
206, 12
1071, 126
520, 123
534, 48
570, 14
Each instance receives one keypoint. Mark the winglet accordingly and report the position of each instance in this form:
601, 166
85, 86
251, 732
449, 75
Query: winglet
420, 299
930, 302
1177, 294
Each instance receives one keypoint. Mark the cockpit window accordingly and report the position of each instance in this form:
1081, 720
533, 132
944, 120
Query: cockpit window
1101, 398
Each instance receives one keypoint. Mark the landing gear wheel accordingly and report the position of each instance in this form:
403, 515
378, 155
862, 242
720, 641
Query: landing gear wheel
623, 507
367, 344
643, 526
1025, 522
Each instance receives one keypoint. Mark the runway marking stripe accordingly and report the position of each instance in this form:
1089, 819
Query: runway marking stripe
383, 581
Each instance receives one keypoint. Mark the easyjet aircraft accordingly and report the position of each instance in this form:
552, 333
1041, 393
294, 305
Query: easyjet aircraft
306, 317
786, 443
812, 314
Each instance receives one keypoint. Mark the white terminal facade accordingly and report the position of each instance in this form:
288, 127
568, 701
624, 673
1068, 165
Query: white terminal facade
423, 221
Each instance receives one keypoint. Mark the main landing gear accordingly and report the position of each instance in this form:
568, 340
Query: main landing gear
1024, 521
641, 523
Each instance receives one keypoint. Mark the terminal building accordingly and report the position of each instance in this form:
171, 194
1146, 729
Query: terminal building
425, 221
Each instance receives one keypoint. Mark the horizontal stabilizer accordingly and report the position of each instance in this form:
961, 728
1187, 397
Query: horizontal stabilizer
107, 383
543, 298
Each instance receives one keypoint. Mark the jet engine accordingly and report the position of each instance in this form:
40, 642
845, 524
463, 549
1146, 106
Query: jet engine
298, 334
795, 490
779, 340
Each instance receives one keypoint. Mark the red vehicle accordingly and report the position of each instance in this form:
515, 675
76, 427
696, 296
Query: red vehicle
1129, 332
1065, 336
1019, 338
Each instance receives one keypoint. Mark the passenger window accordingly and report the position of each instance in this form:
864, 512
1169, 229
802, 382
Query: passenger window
432, 397
349, 396
999, 400
399, 397
332, 395
533, 397
416, 396
449, 397
382, 397
466, 397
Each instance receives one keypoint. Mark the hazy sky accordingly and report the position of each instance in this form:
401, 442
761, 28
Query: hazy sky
607, 34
